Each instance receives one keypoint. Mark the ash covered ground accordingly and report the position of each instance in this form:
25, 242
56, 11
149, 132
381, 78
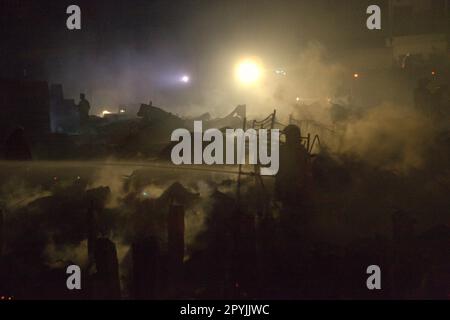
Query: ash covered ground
357, 213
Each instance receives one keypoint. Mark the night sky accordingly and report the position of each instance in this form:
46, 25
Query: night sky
133, 51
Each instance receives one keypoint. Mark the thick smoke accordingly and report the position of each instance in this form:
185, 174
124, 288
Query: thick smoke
390, 137
16, 193
387, 132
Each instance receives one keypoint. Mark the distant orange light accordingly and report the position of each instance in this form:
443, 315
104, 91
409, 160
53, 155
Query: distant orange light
355, 75
433, 73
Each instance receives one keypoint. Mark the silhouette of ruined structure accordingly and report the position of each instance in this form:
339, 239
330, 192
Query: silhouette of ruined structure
63, 112
24, 104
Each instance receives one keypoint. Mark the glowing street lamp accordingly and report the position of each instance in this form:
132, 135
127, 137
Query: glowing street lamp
185, 79
248, 72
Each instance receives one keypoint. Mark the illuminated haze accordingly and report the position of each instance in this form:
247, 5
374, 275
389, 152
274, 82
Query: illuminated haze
126, 55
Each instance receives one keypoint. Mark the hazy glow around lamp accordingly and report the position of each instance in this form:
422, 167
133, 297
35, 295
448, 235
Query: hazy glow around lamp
248, 72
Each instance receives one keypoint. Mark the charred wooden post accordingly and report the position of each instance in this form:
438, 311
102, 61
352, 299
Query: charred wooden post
175, 245
146, 255
244, 261
106, 280
91, 232
175, 232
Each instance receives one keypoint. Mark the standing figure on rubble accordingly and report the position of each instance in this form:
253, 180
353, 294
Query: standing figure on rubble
290, 183
83, 108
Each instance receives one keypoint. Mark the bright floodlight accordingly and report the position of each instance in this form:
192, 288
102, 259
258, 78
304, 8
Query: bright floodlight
184, 79
248, 72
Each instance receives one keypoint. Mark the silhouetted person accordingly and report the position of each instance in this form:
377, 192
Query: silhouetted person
290, 183
17, 147
83, 108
